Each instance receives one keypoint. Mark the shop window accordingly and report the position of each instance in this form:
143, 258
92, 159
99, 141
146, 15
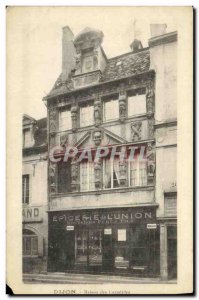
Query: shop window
121, 250
137, 102
25, 189
87, 180
110, 173
86, 115
64, 176
111, 109
27, 139
30, 243
65, 122
137, 173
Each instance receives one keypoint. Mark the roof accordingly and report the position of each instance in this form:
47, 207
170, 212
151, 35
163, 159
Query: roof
39, 135
125, 65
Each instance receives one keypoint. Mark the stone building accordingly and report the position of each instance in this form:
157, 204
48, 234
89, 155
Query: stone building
113, 215
34, 195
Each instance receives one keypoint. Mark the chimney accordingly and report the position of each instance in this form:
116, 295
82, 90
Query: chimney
136, 45
157, 29
68, 53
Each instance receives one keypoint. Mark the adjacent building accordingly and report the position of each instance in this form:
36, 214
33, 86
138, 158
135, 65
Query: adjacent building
34, 195
111, 215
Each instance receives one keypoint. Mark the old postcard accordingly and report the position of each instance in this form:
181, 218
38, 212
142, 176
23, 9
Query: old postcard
99, 185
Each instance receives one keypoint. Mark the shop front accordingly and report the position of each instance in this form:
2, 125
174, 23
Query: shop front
121, 240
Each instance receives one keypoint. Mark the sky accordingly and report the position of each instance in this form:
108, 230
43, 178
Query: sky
37, 36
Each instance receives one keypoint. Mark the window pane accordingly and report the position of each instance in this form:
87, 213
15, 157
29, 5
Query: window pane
34, 245
133, 173
111, 110
116, 173
136, 105
142, 173
65, 120
91, 176
27, 138
27, 246
25, 189
86, 115
107, 173
83, 177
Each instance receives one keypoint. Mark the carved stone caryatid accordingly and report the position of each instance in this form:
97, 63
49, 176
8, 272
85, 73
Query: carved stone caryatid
63, 139
123, 172
150, 156
52, 177
150, 94
97, 136
122, 105
136, 131
74, 116
97, 111
52, 120
98, 173
74, 175
151, 128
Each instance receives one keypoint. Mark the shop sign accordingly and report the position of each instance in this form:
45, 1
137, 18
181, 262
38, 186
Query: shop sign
69, 227
121, 235
32, 214
117, 216
151, 226
108, 231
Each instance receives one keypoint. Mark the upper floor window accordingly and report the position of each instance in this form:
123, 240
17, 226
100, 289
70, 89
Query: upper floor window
65, 122
137, 102
86, 115
25, 189
87, 180
27, 140
111, 109
87, 61
111, 173
137, 173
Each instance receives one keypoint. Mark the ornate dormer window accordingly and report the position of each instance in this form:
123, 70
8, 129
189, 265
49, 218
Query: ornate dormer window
90, 57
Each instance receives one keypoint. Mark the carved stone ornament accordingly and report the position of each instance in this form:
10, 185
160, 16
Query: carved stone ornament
52, 120
150, 98
97, 136
98, 173
74, 176
63, 139
150, 156
150, 128
136, 131
97, 111
78, 62
122, 105
74, 116
52, 178
123, 173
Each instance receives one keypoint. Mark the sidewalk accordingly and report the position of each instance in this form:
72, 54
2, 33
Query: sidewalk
69, 278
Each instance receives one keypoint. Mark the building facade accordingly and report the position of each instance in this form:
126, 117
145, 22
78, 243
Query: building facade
34, 195
108, 212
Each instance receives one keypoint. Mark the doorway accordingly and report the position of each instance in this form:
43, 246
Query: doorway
172, 251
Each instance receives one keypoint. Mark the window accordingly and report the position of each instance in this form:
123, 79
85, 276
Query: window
111, 109
27, 141
87, 61
64, 176
86, 115
30, 243
137, 103
110, 173
87, 180
170, 204
65, 120
25, 189
137, 173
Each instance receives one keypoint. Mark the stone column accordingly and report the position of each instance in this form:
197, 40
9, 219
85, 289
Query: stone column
163, 252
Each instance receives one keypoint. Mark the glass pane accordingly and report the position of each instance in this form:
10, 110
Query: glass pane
116, 171
27, 246
81, 247
136, 105
34, 245
95, 247
133, 173
111, 110
86, 115
107, 174
91, 176
65, 120
83, 177
142, 173
27, 138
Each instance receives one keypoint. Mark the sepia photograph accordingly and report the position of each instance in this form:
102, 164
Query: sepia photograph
100, 118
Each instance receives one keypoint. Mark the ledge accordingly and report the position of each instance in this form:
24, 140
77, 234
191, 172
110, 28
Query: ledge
163, 39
